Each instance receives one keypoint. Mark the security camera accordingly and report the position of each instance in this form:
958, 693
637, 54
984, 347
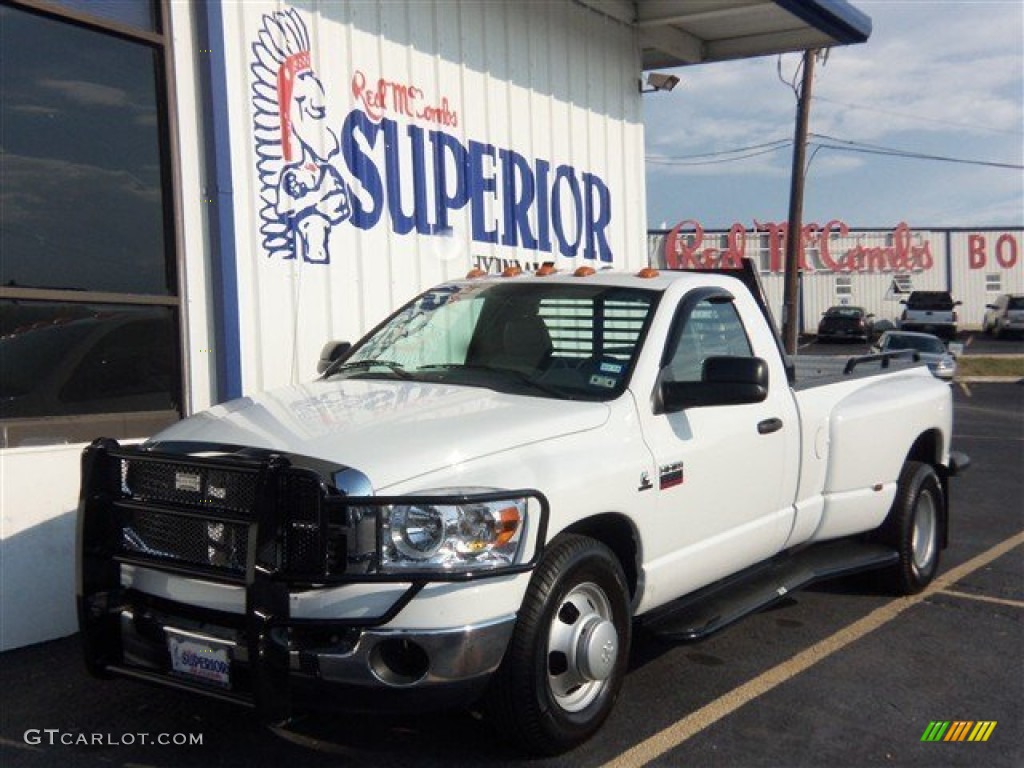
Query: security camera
659, 81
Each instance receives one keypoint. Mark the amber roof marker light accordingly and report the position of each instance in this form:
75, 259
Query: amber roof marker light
584, 272
647, 273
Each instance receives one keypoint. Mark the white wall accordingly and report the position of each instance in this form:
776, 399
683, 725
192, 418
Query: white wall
38, 495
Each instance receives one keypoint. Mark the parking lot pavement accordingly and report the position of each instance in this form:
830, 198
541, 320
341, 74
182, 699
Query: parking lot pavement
838, 675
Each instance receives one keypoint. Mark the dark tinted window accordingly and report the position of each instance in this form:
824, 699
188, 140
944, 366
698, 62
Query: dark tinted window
89, 324
1016, 302
83, 194
63, 359
134, 13
930, 300
921, 343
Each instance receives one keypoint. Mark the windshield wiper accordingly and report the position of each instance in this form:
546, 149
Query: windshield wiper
363, 365
519, 376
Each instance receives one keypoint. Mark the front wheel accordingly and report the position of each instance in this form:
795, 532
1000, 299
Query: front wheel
914, 527
568, 655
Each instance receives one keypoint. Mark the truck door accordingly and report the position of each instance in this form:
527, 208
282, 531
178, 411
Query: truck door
726, 474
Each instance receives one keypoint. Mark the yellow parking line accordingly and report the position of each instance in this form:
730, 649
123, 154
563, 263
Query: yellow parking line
677, 733
985, 598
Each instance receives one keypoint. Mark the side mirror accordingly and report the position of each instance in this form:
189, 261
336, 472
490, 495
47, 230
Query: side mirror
869, 315
331, 353
991, 306
725, 381
903, 301
957, 303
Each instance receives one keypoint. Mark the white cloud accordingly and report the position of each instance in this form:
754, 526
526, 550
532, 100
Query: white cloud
942, 78
86, 93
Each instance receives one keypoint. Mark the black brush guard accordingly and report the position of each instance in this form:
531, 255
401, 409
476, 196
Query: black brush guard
264, 523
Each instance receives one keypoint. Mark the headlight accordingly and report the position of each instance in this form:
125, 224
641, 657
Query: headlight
470, 535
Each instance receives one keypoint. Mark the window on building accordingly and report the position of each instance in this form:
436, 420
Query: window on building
844, 285
993, 283
904, 282
89, 307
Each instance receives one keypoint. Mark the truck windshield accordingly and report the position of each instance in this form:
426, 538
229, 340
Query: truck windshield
553, 339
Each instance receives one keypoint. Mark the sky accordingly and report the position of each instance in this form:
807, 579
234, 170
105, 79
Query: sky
936, 77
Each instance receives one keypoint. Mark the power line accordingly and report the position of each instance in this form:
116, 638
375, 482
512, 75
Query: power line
921, 118
874, 149
773, 144
675, 161
723, 156
826, 142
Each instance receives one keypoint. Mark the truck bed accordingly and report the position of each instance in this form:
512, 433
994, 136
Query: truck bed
819, 370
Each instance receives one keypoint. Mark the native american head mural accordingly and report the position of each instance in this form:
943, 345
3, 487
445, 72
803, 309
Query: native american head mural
303, 193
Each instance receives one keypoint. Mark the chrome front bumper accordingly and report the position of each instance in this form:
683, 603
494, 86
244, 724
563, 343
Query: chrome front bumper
372, 669
452, 656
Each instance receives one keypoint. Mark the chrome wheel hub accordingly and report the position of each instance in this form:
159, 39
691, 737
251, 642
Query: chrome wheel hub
583, 647
924, 539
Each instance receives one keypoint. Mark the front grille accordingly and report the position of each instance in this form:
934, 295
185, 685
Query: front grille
190, 485
198, 512
193, 541
187, 512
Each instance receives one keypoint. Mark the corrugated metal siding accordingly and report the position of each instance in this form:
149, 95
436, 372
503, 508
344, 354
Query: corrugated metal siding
979, 260
987, 264
550, 81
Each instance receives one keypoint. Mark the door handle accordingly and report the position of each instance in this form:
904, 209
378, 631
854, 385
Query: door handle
768, 426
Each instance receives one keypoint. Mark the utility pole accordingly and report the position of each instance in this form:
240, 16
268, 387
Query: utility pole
791, 296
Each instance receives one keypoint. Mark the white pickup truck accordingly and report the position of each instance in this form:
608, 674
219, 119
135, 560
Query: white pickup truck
476, 501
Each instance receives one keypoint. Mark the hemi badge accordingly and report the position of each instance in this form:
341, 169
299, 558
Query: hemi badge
184, 481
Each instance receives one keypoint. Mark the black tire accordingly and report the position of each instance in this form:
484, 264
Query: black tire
565, 664
914, 528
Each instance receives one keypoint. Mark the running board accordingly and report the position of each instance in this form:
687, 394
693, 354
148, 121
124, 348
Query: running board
714, 607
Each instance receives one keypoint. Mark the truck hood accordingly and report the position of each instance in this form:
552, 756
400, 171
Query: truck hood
391, 431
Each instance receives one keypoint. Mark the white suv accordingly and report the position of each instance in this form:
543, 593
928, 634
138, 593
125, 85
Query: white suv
930, 312
1005, 315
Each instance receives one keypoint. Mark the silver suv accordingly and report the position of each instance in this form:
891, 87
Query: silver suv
930, 312
1005, 315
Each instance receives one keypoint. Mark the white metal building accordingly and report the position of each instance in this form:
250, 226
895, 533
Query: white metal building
195, 196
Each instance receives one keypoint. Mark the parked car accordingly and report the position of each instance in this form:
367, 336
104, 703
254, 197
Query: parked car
846, 323
1004, 316
930, 312
930, 349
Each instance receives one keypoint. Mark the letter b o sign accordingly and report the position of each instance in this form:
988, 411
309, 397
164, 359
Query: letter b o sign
1006, 251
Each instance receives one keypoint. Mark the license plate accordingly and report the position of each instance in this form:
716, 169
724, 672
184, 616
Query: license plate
199, 659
